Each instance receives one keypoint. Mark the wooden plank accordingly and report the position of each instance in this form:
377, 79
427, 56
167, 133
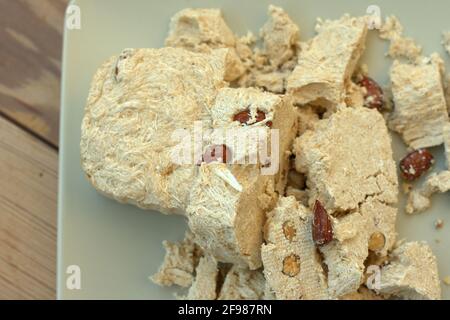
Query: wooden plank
28, 198
30, 64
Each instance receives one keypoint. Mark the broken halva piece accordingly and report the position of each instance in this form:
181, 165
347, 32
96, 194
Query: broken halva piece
179, 263
227, 214
400, 46
205, 282
281, 37
348, 158
291, 263
272, 64
202, 30
327, 62
348, 162
412, 273
243, 284
419, 199
420, 111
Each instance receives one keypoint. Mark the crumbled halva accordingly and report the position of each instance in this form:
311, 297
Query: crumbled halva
243, 284
201, 30
280, 36
400, 47
327, 62
205, 282
179, 263
291, 263
420, 111
420, 199
411, 273
345, 255
274, 62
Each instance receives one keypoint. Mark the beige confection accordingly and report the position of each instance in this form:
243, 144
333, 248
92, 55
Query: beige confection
281, 37
179, 263
307, 118
228, 203
446, 41
391, 28
326, 63
347, 158
447, 144
420, 108
355, 95
196, 27
226, 215
400, 47
126, 139
404, 47
243, 284
348, 162
383, 216
345, 255
291, 263
279, 114
419, 200
300, 195
272, 64
205, 282
412, 273
447, 91
201, 30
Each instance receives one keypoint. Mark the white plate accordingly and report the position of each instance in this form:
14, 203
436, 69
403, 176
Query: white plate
118, 246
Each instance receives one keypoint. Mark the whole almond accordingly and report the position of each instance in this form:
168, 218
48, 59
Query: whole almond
322, 229
243, 117
374, 97
415, 164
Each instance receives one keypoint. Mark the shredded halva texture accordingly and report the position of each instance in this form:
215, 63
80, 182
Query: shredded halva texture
250, 233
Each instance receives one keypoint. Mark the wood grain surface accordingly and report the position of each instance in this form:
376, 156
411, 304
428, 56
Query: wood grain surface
30, 64
27, 215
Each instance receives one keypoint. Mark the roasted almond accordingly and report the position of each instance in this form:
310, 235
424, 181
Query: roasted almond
415, 164
243, 117
373, 98
322, 229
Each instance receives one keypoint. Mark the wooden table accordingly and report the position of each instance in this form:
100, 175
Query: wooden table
30, 64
